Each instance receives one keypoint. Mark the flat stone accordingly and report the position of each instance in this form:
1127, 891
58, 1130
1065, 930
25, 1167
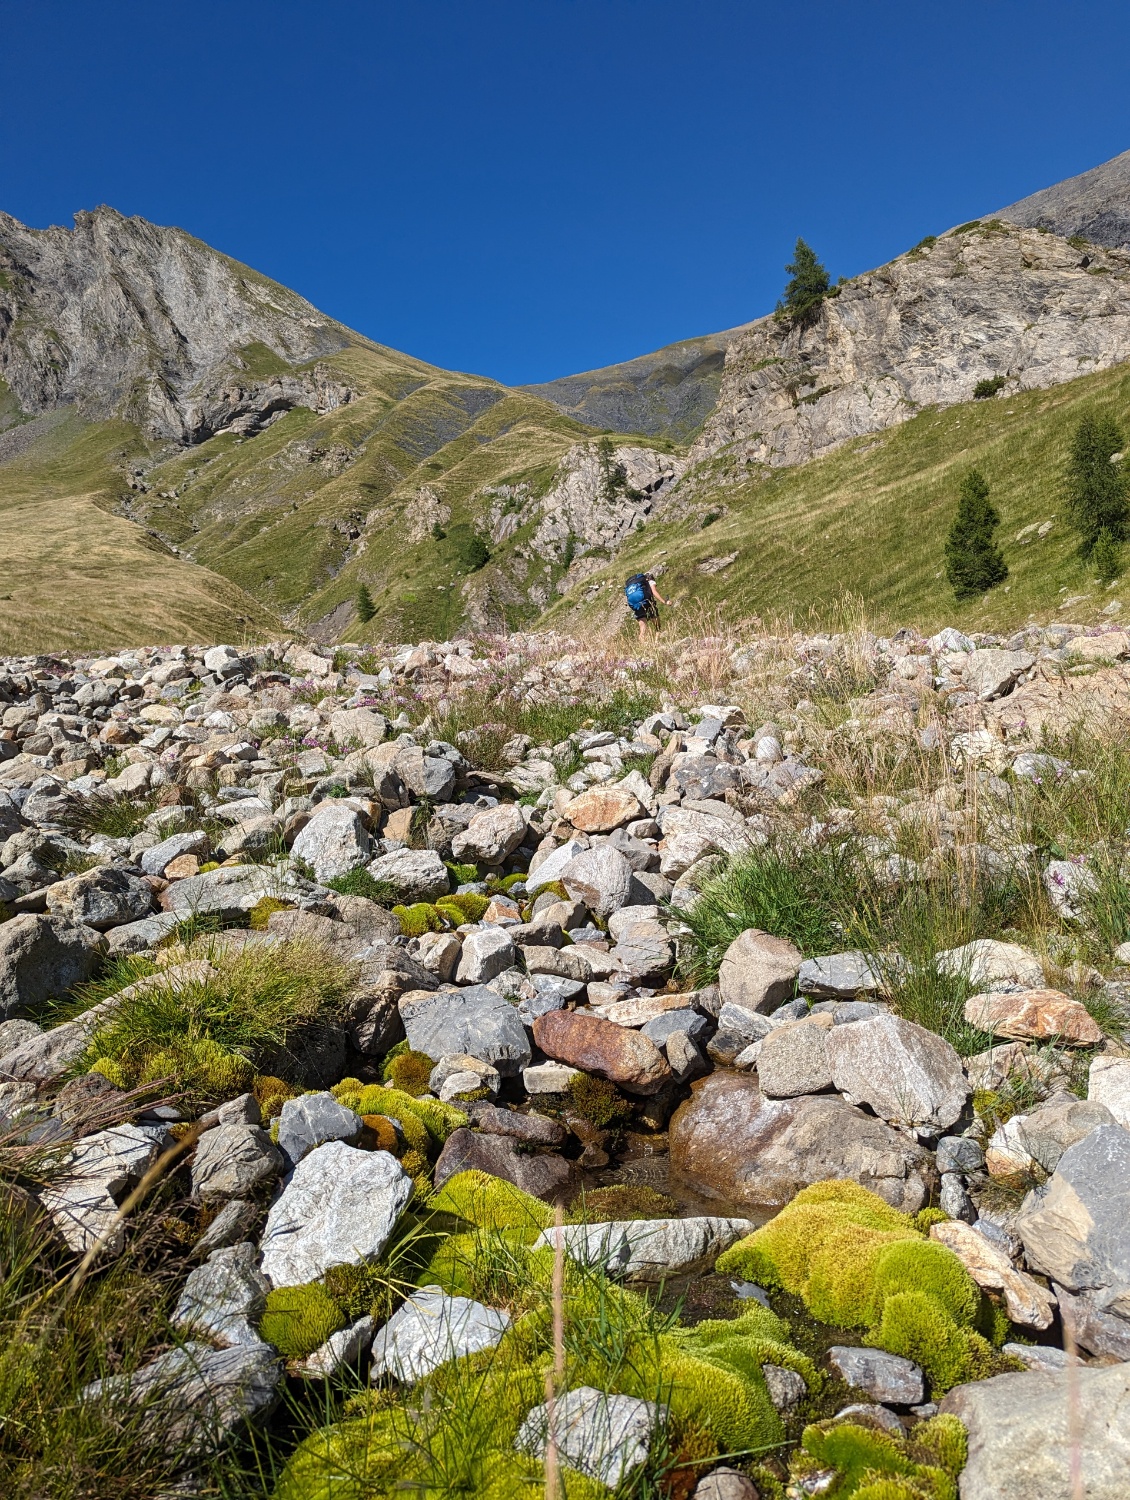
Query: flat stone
542, 1176
1074, 1229
82, 1194
156, 861
339, 1208
487, 952
1109, 1084
414, 874
1040, 1014
432, 1328
689, 1022
358, 728
232, 1224
908, 1075
310, 1120
839, 976
491, 835
195, 1397
530, 1127
232, 1160
476, 1021
603, 808
1027, 1432
139, 937
605, 1437
794, 1059
623, 1056
333, 842
224, 1298
548, 1078
885, 1377
1044, 1357
648, 1249
758, 971
991, 672
642, 1011
990, 965
1027, 1302
729, 1143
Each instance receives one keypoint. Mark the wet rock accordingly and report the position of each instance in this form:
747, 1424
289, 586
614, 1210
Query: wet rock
547, 1177
432, 1328
732, 1144
1027, 1431
531, 1128
908, 1075
623, 1056
1040, 1014
232, 1160
885, 1377
758, 971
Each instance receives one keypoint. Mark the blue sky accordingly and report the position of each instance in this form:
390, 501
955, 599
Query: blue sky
526, 188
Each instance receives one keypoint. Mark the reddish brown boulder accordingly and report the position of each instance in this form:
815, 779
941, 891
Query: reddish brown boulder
624, 1057
1043, 1014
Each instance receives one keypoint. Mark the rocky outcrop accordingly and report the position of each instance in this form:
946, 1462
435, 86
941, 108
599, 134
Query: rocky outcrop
1096, 205
121, 317
978, 303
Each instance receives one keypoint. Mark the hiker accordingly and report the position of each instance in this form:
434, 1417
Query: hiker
642, 597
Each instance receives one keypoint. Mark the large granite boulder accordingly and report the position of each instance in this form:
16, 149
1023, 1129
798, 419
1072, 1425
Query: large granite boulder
906, 1074
730, 1143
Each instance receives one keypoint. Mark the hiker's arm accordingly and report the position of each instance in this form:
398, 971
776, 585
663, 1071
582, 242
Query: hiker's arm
655, 594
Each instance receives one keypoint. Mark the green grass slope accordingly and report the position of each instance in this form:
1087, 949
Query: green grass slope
73, 576
870, 520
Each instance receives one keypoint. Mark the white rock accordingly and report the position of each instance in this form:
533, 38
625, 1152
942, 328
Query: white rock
223, 1298
490, 835
648, 1249
600, 877
339, 1208
432, 1328
991, 965
333, 842
345, 1347
1109, 1084
605, 1437
487, 952
548, 1078
547, 871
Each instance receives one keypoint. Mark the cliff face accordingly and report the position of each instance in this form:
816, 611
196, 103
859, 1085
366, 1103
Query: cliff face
995, 300
1096, 204
120, 317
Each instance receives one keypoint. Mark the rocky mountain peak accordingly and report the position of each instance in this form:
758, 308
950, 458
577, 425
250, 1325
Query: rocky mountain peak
1095, 204
121, 317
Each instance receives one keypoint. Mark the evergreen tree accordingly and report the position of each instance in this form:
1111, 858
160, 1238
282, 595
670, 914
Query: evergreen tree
1106, 556
806, 288
363, 602
1096, 488
974, 562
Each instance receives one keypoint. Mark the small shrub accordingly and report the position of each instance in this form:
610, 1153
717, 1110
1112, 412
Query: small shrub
471, 552
360, 883
989, 387
1106, 556
299, 1319
599, 1101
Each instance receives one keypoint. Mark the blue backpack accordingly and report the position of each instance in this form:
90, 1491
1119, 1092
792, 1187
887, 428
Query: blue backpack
635, 591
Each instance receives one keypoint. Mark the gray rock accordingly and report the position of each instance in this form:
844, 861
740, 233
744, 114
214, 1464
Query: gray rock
139, 937
224, 1298
648, 1249
725, 1484
312, 1119
794, 1060
1074, 1228
1027, 1431
644, 952
991, 673
531, 1128
196, 1398
415, 874
1068, 885
684, 1056
605, 1437
839, 976
101, 898
546, 1177
477, 1021
600, 877
342, 1350
491, 835
991, 965
885, 1377
154, 861
229, 894
1108, 1084
232, 1224
954, 1200
1091, 1325
687, 1021
737, 1029
1044, 1357
82, 1194
786, 1388
362, 728
869, 1415
959, 1153
232, 1160
340, 1207
908, 1075
548, 871
333, 842
487, 952
14, 1033
1051, 1128
758, 971
847, 1012
41, 957
432, 1328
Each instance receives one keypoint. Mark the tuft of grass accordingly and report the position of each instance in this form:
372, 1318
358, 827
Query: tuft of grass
113, 817
360, 883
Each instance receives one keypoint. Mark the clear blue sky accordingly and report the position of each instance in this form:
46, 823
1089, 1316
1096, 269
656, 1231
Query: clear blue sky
526, 188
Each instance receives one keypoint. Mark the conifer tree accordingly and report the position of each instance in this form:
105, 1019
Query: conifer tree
1106, 557
1097, 488
974, 562
806, 288
363, 602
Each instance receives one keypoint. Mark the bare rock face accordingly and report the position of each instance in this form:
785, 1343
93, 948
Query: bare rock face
125, 318
920, 331
728, 1141
1095, 204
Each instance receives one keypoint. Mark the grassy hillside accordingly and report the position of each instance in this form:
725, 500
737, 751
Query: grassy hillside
871, 520
73, 576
